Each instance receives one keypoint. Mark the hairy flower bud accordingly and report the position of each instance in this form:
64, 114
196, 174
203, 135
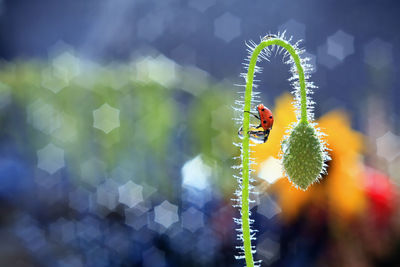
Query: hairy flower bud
303, 155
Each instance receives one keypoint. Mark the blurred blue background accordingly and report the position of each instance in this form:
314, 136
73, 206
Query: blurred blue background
116, 130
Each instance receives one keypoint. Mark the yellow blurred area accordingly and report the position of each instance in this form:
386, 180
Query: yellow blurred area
340, 190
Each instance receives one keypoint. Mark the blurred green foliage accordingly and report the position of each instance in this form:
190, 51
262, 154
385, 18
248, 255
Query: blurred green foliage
168, 115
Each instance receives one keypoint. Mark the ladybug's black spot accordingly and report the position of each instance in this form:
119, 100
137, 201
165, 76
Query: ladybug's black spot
264, 121
270, 117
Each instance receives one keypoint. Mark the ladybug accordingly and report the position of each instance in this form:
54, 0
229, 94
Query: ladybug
265, 117
266, 121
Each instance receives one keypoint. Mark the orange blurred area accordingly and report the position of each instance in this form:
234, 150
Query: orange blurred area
343, 190
353, 206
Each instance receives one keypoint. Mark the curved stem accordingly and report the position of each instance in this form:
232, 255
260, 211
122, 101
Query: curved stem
246, 121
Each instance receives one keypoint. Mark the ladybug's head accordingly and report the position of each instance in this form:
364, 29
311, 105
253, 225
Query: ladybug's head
264, 110
261, 108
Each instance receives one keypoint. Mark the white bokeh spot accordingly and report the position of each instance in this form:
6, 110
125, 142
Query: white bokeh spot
268, 249
388, 146
166, 214
66, 66
340, 45
52, 82
227, 27
43, 117
130, 194
268, 207
192, 219
325, 59
106, 118
270, 170
196, 173
50, 158
159, 69
378, 53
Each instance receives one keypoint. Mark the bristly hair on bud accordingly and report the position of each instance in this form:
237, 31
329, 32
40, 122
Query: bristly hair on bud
303, 151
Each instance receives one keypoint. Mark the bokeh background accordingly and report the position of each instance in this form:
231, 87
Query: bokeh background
116, 133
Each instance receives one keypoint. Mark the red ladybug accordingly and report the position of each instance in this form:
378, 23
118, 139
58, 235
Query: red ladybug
266, 122
265, 117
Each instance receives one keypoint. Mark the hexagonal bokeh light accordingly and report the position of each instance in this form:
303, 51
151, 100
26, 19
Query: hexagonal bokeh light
106, 118
268, 207
192, 219
268, 249
166, 214
130, 194
388, 146
340, 45
227, 27
50, 158
43, 116
196, 173
378, 53
271, 170
323, 58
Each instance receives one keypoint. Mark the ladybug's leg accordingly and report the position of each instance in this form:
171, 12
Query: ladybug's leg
256, 132
266, 134
253, 132
255, 115
240, 132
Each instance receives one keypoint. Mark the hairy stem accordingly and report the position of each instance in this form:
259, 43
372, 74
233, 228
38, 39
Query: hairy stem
246, 125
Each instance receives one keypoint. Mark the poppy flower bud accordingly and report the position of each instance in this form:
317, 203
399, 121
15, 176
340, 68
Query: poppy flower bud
303, 155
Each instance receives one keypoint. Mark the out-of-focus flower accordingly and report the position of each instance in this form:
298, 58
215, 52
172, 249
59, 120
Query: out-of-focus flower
345, 174
381, 196
341, 190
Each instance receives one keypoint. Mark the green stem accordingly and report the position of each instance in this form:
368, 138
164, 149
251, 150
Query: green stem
246, 125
